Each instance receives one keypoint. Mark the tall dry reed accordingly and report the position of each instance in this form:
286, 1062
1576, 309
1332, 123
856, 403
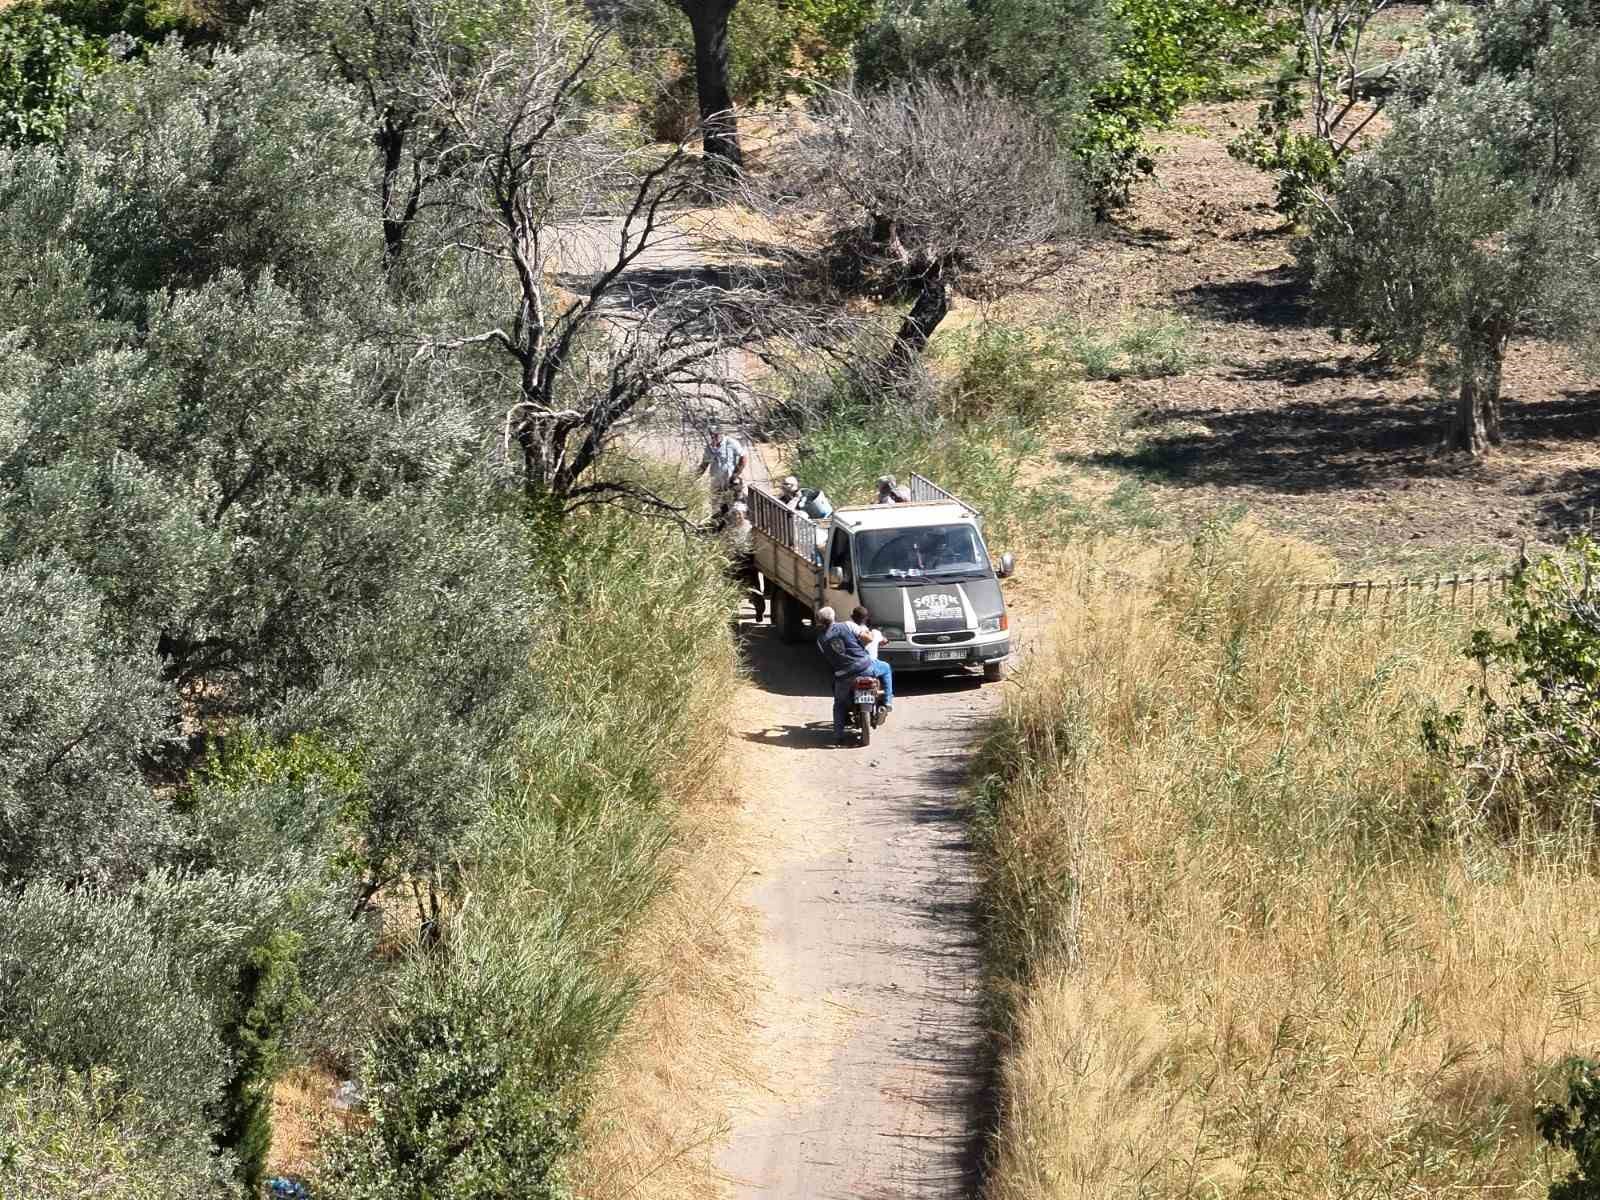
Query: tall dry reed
1244, 940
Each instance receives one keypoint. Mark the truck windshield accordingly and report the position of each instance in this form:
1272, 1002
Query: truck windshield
927, 550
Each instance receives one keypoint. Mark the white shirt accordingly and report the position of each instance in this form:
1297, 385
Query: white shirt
737, 537
723, 459
870, 638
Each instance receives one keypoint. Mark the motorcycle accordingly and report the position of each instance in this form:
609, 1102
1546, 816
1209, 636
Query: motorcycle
866, 706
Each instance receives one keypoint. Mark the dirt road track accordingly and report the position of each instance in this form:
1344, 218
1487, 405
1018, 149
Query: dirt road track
870, 1023
872, 1027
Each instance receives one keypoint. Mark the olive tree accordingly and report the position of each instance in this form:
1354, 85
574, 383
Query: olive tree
1471, 221
950, 183
78, 715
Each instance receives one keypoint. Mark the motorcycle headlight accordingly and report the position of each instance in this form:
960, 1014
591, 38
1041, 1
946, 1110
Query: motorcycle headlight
992, 624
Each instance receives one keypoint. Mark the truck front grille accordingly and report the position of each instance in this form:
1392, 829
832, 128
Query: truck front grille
942, 639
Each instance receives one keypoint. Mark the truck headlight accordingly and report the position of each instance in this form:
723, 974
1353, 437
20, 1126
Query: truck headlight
892, 633
992, 624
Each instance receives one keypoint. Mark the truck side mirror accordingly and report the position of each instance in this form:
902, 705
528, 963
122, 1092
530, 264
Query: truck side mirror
836, 577
1006, 567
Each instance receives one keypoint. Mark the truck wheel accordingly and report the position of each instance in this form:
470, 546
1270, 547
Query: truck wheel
791, 618
994, 671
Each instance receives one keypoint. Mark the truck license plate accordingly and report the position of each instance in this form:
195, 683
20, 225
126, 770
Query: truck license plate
945, 655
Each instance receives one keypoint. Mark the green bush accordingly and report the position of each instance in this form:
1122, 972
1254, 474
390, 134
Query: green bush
269, 999
1574, 1125
1010, 373
776, 48
1528, 743
1168, 53
43, 61
85, 984
80, 1135
463, 1098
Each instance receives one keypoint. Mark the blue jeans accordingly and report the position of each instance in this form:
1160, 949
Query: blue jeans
844, 693
882, 671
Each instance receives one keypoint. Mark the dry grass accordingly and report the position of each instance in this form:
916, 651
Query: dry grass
302, 1112
1250, 945
661, 1105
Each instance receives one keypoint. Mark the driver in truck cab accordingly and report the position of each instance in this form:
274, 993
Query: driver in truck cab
848, 659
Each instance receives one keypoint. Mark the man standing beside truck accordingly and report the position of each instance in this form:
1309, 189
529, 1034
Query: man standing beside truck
725, 458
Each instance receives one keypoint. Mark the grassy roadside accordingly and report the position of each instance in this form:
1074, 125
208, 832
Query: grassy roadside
497, 1056
1242, 942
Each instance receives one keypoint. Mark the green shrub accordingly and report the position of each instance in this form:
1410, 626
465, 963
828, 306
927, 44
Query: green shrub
776, 47
1167, 54
463, 1099
85, 984
71, 1135
1574, 1125
269, 998
1528, 743
1007, 373
43, 61
78, 713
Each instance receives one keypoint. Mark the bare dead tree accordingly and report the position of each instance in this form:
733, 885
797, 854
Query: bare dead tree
1344, 89
613, 314
950, 182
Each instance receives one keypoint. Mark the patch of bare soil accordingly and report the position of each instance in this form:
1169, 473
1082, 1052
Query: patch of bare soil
1275, 414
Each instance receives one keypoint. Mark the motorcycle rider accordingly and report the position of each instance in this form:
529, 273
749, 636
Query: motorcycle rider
848, 659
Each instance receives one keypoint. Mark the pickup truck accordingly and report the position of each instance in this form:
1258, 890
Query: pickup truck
920, 568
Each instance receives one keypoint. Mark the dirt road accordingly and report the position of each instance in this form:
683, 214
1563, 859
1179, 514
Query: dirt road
871, 1026
871, 1059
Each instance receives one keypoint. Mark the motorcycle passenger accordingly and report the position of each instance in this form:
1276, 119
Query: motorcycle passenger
848, 660
870, 640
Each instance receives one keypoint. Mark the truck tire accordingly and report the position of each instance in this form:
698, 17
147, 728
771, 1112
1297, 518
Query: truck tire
994, 670
790, 618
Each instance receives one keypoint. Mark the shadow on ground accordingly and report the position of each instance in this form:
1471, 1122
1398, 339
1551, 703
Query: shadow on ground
1277, 299
1335, 443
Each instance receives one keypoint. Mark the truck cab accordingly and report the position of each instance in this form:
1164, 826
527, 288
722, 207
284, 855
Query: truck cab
924, 573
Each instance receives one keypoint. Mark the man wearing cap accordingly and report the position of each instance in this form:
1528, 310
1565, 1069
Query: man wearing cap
726, 460
890, 491
789, 493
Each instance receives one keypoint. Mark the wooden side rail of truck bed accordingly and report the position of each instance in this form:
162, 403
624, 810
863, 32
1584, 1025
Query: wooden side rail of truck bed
786, 552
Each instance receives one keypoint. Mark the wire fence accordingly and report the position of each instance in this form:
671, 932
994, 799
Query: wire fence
1405, 595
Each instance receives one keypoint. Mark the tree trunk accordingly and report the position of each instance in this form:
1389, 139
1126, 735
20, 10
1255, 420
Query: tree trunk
709, 21
1467, 429
1493, 373
391, 139
932, 303
1475, 421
